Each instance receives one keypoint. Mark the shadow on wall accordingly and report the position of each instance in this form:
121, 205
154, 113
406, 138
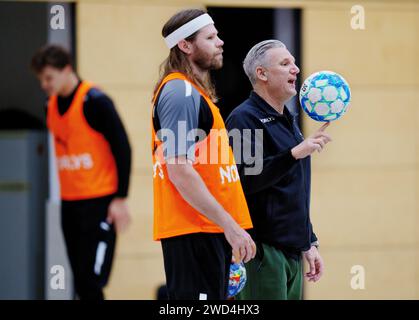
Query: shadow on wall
15, 119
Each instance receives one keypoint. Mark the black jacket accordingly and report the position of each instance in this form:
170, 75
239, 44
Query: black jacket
279, 196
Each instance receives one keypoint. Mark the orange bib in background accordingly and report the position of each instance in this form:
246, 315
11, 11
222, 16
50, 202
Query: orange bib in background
174, 216
85, 162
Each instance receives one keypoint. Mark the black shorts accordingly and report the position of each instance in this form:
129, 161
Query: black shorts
197, 266
90, 243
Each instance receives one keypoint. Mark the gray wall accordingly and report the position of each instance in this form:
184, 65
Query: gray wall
24, 27
23, 191
55, 252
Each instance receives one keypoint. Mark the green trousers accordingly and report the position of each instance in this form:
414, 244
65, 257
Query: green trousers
273, 277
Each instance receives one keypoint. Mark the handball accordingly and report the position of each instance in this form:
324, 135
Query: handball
237, 278
325, 96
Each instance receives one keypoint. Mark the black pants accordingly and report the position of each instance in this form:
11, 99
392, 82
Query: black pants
197, 266
90, 243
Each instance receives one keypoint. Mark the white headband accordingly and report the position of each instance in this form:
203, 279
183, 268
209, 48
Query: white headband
188, 29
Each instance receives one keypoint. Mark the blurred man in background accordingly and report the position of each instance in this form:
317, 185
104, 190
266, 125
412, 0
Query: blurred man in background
94, 162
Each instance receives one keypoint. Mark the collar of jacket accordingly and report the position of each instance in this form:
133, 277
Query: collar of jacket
267, 108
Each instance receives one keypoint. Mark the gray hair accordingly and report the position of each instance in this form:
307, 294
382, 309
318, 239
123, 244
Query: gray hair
256, 57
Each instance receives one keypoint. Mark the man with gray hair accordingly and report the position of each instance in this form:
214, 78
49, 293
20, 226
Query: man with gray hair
279, 196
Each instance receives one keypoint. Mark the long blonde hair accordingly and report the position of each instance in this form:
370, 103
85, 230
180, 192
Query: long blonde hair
177, 60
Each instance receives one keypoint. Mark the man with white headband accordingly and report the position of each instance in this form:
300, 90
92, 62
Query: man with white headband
200, 212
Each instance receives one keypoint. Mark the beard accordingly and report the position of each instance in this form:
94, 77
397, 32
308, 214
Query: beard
206, 61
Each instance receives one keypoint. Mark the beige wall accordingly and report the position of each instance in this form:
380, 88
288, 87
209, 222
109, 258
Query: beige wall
365, 186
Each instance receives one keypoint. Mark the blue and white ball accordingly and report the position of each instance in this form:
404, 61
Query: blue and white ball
325, 96
237, 279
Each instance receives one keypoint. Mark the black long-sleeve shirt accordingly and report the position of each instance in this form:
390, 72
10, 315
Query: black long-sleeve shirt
279, 195
101, 115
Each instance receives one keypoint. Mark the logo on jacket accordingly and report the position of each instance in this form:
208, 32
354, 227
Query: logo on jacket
230, 173
75, 162
158, 167
266, 120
